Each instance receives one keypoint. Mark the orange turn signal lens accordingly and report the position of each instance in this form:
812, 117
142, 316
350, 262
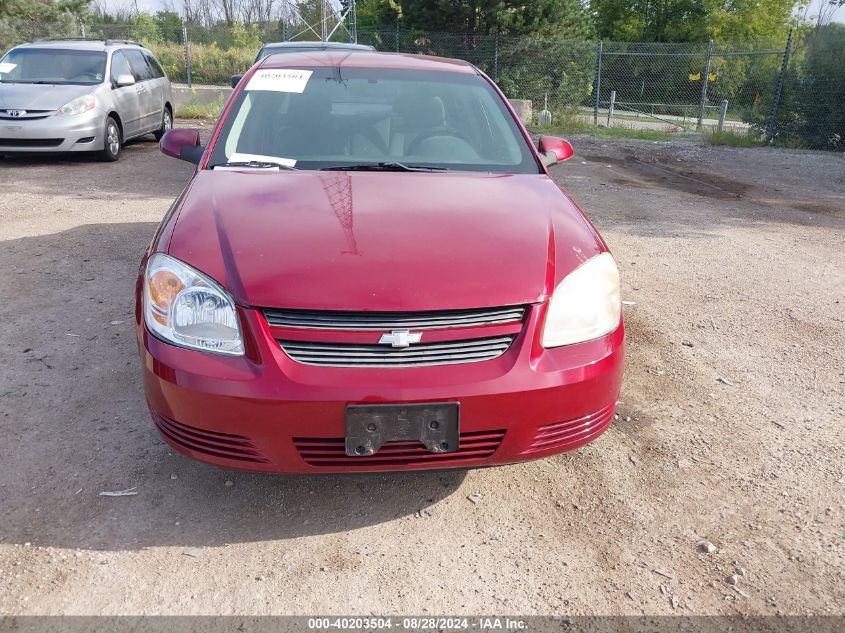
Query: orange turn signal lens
163, 288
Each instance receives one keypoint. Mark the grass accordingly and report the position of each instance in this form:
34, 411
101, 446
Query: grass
570, 122
607, 132
641, 134
792, 142
732, 138
199, 111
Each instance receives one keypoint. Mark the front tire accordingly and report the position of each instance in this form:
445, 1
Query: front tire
113, 142
166, 124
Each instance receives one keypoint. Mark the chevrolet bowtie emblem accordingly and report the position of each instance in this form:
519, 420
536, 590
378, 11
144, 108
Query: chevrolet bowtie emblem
400, 338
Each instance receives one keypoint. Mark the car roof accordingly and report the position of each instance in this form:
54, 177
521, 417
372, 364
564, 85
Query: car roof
356, 59
320, 45
80, 45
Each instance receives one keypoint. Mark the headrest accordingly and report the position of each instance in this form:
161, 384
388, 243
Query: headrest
309, 105
423, 114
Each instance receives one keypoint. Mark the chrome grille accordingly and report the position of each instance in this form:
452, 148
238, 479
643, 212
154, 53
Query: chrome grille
28, 115
421, 354
321, 320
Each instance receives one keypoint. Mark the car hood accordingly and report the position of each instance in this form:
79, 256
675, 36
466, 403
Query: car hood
380, 241
39, 96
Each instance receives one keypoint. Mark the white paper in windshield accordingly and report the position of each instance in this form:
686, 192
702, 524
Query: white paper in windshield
238, 157
7, 67
279, 80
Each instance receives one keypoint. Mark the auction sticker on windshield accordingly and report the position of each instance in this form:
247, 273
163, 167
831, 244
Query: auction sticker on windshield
239, 157
7, 67
279, 80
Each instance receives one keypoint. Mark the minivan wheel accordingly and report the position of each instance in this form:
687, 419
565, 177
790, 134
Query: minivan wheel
113, 141
166, 124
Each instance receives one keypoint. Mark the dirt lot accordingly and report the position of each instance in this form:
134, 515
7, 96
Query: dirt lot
730, 424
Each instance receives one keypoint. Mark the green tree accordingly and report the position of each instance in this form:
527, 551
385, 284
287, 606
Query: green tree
546, 18
24, 20
509, 17
169, 25
462, 16
691, 20
43, 10
145, 29
378, 15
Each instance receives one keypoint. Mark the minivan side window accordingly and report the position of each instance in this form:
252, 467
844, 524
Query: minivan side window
139, 65
155, 67
119, 66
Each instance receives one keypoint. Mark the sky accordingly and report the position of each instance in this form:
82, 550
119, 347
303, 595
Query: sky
155, 5
144, 5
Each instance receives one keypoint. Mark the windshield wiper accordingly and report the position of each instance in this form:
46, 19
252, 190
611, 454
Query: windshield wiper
382, 167
256, 164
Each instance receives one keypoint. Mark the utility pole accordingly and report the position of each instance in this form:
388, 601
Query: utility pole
324, 20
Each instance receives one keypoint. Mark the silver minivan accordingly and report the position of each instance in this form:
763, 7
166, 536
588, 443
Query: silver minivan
81, 96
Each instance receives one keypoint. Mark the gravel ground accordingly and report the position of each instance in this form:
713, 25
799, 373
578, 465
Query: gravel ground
729, 436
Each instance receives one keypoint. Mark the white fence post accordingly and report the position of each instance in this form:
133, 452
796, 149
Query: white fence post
610, 106
187, 54
723, 112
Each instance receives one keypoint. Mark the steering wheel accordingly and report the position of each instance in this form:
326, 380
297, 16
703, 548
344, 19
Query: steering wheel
438, 131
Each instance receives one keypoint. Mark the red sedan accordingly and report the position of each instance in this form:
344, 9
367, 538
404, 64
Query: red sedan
371, 269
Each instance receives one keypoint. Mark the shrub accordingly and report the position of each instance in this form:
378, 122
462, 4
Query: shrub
210, 64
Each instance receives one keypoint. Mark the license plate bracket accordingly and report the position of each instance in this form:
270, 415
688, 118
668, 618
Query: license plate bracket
369, 426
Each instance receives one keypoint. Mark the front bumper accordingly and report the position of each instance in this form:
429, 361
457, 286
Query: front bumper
79, 133
267, 412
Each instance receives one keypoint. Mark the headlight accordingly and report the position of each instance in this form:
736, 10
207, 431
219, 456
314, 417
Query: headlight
184, 307
78, 106
585, 305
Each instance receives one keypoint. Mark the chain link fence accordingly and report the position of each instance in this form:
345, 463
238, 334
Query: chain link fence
689, 85
757, 88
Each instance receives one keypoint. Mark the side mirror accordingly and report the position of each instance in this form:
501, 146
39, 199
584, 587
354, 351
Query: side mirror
234, 80
182, 144
555, 150
125, 80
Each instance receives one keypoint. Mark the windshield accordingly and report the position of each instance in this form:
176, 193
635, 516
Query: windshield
323, 117
53, 66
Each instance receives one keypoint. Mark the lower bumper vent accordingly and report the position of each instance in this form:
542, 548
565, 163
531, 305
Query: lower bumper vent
31, 142
331, 451
225, 445
563, 435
